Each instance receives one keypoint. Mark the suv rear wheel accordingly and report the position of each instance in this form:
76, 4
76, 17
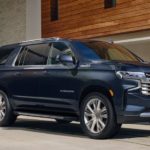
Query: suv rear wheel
98, 119
6, 114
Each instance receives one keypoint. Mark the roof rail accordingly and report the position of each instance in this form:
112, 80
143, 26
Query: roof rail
28, 41
31, 40
41, 39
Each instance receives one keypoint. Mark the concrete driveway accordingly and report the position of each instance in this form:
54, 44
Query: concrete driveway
43, 134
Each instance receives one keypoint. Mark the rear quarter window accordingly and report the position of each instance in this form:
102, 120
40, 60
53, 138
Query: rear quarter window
4, 54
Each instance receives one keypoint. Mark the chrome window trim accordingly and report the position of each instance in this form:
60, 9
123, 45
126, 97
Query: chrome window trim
46, 65
39, 67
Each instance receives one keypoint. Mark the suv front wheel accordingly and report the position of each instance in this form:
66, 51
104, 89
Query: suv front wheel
98, 119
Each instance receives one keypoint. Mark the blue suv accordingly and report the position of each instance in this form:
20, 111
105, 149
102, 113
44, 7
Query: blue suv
100, 84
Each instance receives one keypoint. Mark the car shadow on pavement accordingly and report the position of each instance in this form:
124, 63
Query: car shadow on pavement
132, 133
72, 129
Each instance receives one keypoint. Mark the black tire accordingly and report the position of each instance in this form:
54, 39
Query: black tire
63, 121
111, 127
8, 118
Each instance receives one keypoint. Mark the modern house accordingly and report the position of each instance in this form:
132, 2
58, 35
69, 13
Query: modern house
126, 22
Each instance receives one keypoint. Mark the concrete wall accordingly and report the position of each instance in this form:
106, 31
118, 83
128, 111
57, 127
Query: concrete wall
12, 21
19, 20
33, 19
141, 48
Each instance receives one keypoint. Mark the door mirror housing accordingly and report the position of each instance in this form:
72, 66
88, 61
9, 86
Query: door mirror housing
67, 59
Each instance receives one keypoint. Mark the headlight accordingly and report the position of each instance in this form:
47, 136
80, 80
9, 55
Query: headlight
130, 75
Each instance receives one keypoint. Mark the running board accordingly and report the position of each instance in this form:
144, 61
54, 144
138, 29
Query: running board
145, 115
69, 118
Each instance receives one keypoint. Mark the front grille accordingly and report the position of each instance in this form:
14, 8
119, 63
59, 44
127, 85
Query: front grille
145, 88
145, 85
147, 75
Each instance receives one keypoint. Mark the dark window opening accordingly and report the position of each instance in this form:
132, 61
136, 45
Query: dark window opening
109, 3
54, 10
4, 54
43, 54
33, 55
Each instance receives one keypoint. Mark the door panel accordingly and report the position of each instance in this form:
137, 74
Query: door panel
23, 84
26, 72
58, 87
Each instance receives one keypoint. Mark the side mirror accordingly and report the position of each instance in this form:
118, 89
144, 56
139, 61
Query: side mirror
67, 59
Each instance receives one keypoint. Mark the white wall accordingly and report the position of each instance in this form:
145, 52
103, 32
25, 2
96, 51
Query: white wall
33, 19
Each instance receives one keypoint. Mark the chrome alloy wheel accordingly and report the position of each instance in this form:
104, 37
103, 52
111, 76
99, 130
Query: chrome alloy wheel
2, 107
95, 115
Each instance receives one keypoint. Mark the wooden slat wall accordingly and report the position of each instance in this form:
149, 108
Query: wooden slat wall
88, 18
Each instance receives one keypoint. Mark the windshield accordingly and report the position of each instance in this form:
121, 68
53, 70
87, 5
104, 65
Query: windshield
109, 51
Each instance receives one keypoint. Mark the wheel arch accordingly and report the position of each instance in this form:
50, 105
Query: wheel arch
4, 89
97, 88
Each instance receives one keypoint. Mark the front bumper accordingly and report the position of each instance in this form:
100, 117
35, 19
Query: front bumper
137, 108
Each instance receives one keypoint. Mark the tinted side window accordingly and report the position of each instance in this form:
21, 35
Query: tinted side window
85, 52
4, 54
33, 55
57, 49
